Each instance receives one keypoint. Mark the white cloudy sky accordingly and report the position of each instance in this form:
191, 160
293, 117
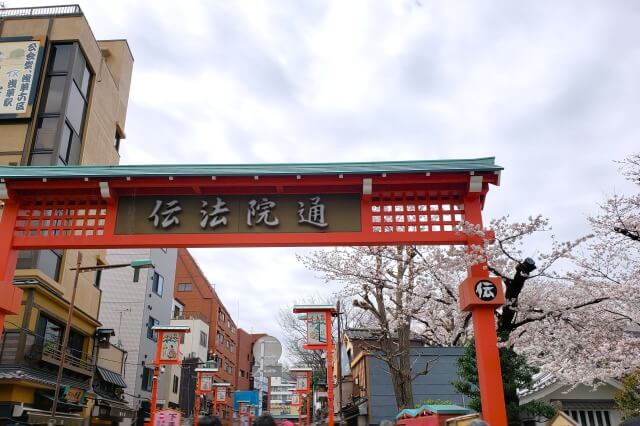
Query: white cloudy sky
550, 88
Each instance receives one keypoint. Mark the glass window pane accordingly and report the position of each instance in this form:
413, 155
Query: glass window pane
75, 108
61, 57
54, 91
49, 263
41, 159
86, 78
64, 142
78, 67
45, 138
74, 150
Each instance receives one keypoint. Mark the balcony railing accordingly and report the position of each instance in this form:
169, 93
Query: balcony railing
36, 350
72, 9
190, 315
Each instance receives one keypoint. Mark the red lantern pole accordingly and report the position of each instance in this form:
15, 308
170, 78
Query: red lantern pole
330, 420
156, 378
308, 398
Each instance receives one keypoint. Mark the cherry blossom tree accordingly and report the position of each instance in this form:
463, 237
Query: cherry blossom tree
569, 307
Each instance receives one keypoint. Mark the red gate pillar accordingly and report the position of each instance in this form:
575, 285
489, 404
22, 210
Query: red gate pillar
10, 295
484, 325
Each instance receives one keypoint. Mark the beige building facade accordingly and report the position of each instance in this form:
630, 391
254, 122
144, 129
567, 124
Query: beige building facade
63, 101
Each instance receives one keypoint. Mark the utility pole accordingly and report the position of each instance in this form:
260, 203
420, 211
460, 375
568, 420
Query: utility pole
339, 366
65, 341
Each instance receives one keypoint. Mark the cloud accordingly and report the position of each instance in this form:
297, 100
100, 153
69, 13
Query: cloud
549, 88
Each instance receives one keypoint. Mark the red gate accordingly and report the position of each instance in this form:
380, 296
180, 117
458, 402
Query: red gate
388, 203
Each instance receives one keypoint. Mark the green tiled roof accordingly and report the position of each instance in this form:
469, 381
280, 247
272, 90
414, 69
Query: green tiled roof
486, 164
434, 408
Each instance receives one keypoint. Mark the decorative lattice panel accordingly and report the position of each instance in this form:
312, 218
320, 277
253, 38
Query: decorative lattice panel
61, 216
411, 212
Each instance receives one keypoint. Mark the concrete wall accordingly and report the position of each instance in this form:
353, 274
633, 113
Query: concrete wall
127, 307
435, 385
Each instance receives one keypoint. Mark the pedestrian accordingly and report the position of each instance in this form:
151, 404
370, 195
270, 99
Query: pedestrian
264, 420
209, 421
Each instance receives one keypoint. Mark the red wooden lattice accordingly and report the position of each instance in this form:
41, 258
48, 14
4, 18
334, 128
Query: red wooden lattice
61, 216
415, 212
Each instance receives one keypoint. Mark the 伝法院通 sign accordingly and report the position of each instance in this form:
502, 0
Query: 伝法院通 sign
238, 214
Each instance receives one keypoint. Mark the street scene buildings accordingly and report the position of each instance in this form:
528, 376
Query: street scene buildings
421, 292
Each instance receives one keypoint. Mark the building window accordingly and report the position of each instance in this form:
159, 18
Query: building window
232, 347
589, 417
147, 378
220, 338
221, 316
175, 384
47, 261
62, 115
203, 339
158, 284
150, 333
184, 287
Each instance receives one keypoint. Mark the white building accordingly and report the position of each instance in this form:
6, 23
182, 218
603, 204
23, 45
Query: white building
193, 348
132, 308
586, 405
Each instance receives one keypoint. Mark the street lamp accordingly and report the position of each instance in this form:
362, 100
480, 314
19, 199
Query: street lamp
136, 265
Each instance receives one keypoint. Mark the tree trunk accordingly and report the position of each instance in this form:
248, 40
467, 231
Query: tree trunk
404, 361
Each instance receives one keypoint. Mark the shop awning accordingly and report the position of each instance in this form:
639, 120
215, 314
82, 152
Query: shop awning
112, 377
108, 407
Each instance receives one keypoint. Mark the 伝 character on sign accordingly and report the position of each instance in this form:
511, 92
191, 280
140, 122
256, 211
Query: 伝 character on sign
169, 215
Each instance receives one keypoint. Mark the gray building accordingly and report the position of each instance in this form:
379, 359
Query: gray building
367, 391
132, 308
436, 385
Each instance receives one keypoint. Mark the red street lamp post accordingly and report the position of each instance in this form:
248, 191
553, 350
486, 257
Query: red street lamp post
167, 353
303, 389
319, 337
203, 386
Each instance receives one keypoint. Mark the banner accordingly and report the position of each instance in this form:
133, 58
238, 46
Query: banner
19, 70
221, 394
169, 350
205, 383
316, 328
301, 382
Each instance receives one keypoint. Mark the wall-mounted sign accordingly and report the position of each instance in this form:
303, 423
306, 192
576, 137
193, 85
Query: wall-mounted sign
170, 345
19, 71
238, 214
167, 418
316, 328
71, 394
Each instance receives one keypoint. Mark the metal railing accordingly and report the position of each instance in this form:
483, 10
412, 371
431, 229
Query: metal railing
72, 9
190, 315
51, 352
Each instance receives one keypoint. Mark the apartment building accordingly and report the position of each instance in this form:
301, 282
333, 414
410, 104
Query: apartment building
179, 391
131, 309
63, 101
198, 295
